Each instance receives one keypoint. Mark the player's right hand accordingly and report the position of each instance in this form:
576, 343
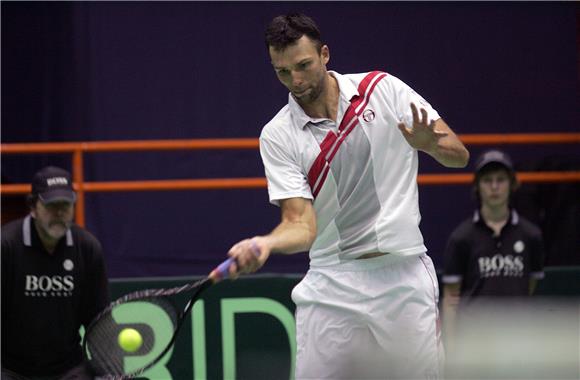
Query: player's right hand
249, 254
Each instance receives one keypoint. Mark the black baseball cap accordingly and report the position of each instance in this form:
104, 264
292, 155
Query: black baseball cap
53, 184
494, 157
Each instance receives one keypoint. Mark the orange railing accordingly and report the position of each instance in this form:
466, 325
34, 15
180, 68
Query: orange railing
78, 149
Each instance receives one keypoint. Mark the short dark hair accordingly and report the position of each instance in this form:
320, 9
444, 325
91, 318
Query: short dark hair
286, 29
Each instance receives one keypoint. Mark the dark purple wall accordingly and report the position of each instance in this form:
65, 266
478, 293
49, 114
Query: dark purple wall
83, 71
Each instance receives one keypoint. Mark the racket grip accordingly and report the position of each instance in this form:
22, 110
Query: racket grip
222, 271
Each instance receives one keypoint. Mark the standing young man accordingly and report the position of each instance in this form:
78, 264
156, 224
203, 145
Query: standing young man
494, 253
341, 163
53, 281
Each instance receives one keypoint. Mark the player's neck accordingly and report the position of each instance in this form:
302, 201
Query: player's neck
326, 106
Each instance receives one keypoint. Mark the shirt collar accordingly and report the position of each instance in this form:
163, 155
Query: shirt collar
27, 232
514, 217
346, 89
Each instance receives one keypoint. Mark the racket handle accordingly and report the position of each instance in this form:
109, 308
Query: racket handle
222, 271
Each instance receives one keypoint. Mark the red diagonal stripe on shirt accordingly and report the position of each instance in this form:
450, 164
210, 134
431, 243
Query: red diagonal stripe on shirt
347, 129
363, 89
317, 188
364, 84
328, 148
320, 161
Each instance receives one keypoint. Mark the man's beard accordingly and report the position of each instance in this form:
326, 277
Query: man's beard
56, 230
314, 94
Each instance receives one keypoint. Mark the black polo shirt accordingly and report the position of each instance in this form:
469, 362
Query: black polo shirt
47, 297
488, 265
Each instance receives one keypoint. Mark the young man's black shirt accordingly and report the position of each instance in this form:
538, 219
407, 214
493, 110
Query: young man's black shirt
489, 265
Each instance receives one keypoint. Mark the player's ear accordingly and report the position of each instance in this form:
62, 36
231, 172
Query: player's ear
325, 54
475, 188
31, 202
514, 183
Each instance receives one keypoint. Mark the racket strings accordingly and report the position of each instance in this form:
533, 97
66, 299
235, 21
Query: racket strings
101, 345
105, 355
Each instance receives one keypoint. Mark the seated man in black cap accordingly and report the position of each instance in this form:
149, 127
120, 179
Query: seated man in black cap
53, 281
494, 253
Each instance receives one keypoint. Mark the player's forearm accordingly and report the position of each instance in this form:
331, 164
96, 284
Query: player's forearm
449, 309
449, 319
449, 313
449, 151
292, 237
451, 156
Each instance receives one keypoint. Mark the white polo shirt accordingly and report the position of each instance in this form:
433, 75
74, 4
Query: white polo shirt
364, 184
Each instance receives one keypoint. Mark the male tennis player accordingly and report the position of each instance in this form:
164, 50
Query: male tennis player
53, 281
341, 162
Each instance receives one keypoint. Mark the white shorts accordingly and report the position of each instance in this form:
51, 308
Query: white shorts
369, 319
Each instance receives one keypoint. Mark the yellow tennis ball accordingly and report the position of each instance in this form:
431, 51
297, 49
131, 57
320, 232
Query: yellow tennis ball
130, 340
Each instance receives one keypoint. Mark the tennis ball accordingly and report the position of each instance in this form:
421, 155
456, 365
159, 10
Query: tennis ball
130, 340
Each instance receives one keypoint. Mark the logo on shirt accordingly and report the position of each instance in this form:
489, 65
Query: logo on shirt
368, 115
49, 286
68, 265
420, 99
501, 266
519, 246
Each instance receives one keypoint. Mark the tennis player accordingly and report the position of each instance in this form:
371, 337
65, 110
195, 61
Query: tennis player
341, 162
53, 281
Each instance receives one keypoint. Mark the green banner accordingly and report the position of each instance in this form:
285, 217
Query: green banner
241, 329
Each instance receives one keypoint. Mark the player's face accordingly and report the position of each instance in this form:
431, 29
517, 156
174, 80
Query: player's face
494, 188
302, 69
53, 219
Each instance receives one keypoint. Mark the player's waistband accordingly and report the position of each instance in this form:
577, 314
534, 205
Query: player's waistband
369, 263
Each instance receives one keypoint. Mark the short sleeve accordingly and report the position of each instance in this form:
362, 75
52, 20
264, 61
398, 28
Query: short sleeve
455, 260
404, 96
285, 176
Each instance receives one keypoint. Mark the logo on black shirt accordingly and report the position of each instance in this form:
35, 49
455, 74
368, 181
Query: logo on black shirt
501, 266
68, 265
49, 286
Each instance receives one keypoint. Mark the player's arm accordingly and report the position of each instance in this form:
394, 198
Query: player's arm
449, 150
297, 229
295, 233
96, 284
435, 138
450, 302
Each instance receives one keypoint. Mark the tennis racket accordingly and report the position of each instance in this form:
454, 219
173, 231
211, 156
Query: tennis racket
100, 342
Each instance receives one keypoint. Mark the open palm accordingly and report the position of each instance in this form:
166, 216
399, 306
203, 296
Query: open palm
422, 134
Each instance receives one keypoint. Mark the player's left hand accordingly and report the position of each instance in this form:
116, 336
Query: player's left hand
422, 134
